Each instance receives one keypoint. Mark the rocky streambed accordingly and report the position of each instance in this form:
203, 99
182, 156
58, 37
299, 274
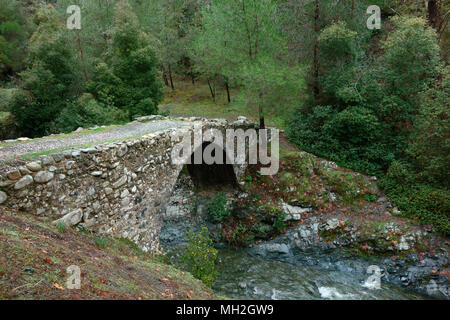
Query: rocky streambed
323, 257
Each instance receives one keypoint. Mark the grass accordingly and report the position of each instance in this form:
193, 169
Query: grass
35, 257
195, 100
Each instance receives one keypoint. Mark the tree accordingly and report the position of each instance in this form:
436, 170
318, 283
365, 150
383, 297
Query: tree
128, 78
430, 139
241, 41
51, 82
13, 37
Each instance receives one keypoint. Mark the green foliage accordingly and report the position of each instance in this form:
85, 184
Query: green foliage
86, 113
128, 78
337, 43
430, 139
200, 256
356, 128
51, 80
278, 222
248, 51
100, 242
427, 204
411, 57
61, 227
419, 185
218, 208
13, 36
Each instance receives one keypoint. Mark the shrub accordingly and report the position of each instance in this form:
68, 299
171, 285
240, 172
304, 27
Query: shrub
429, 205
218, 208
50, 81
101, 242
200, 256
278, 222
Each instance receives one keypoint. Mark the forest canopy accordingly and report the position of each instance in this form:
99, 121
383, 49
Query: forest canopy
374, 100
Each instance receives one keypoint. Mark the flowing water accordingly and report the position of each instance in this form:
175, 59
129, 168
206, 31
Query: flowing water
242, 276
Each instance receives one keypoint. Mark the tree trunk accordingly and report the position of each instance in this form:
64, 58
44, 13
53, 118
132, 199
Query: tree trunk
171, 79
193, 77
262, 124
353, 9
212, 89
316, 53
82, 59
433, 13
166, 81
227, 87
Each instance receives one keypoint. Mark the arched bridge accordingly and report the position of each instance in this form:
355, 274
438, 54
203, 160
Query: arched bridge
114, 188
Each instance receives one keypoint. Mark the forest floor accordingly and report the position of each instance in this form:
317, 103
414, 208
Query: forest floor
195, 100
35, 257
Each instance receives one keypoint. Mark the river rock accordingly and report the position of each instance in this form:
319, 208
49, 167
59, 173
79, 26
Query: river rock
43, 177
71, 218
3, 197
120, 182
14, 175
34, 166
271, 250
22, 183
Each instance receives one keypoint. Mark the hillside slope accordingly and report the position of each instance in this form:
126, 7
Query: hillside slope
35, 257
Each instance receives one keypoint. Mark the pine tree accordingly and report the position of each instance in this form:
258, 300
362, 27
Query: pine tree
51, 81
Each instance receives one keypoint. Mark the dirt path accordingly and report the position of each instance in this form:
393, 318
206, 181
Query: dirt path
63, 141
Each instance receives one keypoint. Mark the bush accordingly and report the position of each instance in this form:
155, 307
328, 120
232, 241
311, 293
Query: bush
200, 256
86, 113
218, 208
427, 204
354, 137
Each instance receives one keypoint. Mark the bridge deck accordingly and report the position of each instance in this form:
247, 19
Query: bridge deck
86, 138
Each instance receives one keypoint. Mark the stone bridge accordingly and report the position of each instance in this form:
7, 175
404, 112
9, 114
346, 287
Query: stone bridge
118, 189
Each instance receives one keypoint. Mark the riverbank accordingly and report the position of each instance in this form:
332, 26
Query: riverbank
316, 215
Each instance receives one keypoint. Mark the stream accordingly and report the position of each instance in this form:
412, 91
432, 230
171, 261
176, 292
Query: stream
243, 276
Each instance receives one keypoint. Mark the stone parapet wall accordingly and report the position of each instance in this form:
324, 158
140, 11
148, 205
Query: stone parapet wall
119, 189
